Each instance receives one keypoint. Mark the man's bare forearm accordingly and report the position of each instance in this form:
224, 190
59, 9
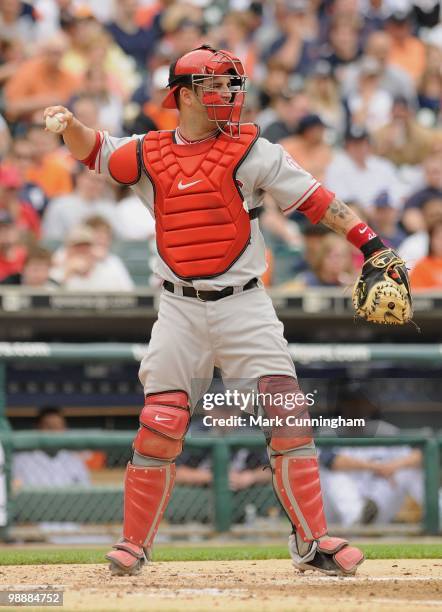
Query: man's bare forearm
79, 139
340, 218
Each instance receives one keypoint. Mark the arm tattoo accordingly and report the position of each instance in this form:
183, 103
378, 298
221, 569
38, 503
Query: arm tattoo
339, 217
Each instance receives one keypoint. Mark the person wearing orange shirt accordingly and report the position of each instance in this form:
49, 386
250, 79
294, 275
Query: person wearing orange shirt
427, 274
407, 51
152, 115
308, 147
40, 81
52, 166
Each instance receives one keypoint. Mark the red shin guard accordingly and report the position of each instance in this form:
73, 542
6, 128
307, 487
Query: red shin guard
297, 484
147, 492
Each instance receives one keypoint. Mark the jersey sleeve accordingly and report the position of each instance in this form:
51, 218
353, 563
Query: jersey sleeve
279, 175
105, 145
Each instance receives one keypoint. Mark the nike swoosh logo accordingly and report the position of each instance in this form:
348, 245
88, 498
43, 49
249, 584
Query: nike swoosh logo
158, 418
182, 185
362, 231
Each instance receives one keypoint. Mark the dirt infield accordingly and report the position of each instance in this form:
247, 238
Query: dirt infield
237, 586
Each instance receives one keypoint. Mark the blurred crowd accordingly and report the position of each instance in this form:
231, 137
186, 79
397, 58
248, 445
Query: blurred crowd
351, 89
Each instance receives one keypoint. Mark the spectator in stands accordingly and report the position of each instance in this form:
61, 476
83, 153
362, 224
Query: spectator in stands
50, 168
392, 79
308, 148
236, 35
5, 137
384, 219
194, 467
86, 108
90, 197
40, 468
109, 265
415, 247
182, 25
313, 237
282, 228
24, 216
403, 140
151, 116
292, 48
356, 174
427, 273
430, 93
133, 220
343, 46
91, 45
36, 270
406, 51
12, 55
12, 252
76, 267
413, 217
331, 265
369, 104
367, 484
17, 21
21, 157
289, 106
40, 81
276, 80
325, 99
98, 86
137, 42
246, 470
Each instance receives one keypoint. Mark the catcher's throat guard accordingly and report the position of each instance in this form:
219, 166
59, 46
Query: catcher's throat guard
382, 291
200, 69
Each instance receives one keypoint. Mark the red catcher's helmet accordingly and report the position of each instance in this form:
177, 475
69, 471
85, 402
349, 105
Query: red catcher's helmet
198, 68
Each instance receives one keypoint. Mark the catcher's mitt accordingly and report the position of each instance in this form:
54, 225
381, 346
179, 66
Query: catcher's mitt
382, 291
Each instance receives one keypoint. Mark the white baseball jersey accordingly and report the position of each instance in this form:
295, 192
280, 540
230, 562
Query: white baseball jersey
267, 168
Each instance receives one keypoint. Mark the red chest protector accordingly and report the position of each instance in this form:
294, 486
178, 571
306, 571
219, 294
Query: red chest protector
202, 226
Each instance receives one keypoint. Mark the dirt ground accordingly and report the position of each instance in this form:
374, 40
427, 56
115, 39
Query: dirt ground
237, 586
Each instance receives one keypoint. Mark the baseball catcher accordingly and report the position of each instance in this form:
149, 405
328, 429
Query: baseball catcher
204, 183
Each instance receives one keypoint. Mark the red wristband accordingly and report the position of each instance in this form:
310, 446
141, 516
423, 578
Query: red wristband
360, 234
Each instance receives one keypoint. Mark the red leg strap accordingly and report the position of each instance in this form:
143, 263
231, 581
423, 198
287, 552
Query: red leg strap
348, 558
136, 551
168, 398
297, 484
331, 545
147, 491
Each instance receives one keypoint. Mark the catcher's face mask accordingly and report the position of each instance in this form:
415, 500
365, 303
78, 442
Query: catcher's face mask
200, 70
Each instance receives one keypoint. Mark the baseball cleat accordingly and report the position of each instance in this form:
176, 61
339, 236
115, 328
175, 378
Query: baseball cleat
330, 556
127, 559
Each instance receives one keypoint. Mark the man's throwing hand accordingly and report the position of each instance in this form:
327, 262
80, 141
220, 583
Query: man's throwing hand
57, 118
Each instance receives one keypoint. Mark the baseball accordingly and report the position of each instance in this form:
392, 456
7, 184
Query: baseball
56, 123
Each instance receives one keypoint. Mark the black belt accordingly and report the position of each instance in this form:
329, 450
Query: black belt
209, 296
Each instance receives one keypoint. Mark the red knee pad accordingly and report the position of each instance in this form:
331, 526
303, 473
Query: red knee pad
164, 421
281, 397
